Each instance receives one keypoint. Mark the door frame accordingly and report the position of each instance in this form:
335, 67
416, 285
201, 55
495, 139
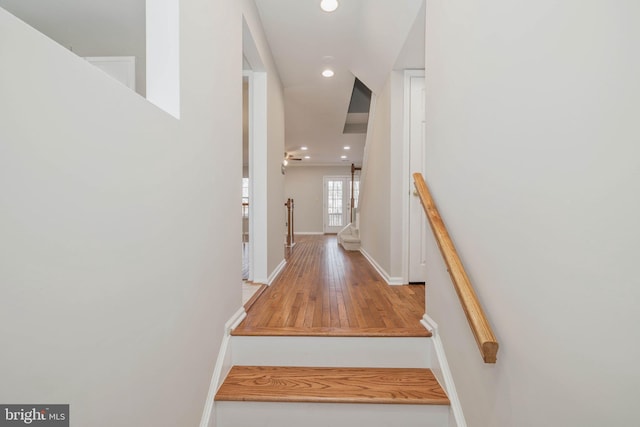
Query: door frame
407, 179
346, 200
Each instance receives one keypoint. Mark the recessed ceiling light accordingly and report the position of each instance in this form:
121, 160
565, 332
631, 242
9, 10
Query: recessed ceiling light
343, 157
328, 73
329, 5
307, 157
346, 147
304, 148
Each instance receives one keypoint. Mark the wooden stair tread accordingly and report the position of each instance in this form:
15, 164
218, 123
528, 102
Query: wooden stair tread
418, 331
415, 386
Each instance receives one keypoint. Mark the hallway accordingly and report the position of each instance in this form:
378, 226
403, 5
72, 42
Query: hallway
327, 291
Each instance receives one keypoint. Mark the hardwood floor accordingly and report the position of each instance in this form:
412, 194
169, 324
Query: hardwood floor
332, 385
327, 291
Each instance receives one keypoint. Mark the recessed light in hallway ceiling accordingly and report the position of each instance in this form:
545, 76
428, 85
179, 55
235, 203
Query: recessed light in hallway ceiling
328, 73
361, 39
329, 5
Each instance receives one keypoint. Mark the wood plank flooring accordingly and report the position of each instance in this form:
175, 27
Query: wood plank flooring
327, 291
332, 385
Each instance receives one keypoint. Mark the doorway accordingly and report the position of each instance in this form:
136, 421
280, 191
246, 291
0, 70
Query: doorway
337, 202
254, 165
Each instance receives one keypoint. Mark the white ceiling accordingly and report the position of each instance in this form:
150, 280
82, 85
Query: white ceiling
362, 38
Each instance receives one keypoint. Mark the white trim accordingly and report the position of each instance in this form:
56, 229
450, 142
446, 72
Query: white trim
443, 372
276, 272
309, 233
222, 363
234, 321
390, 280
248, 74
305, 164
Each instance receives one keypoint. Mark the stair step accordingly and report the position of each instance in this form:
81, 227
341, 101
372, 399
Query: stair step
361, 352
416, 386
250, 331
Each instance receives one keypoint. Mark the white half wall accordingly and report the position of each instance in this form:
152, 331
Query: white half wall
113, 28
304, 184
533, 160
116, 272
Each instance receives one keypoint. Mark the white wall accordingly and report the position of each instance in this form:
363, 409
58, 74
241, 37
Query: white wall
375, 189
396, 169
275, 180
113, 28
533, 159
305, 184
117, 268
381, 188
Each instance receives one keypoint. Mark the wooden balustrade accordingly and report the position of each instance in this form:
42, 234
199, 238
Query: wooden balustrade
476, 317
353, 200
290, 237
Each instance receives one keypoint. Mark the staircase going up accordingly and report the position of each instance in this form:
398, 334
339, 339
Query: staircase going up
349, 238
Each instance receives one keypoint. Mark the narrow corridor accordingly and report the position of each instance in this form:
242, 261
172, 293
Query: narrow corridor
327, 291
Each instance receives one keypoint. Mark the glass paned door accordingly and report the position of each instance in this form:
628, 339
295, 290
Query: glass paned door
336, 202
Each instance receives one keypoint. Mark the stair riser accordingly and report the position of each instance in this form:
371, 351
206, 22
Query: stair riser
266, 414
378, 352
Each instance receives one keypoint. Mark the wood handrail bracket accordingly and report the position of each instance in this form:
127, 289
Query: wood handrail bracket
486, 340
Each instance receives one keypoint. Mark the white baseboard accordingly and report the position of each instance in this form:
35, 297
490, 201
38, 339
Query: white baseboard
309, 233
221, 369
440, 368
276, 272
390, 280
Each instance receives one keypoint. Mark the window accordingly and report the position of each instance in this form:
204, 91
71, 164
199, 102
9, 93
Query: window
356, 191
334, 203
245, 197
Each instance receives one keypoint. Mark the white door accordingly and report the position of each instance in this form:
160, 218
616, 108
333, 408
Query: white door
417, 219
337, 192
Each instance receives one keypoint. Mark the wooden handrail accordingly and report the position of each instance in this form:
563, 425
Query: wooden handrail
478, 322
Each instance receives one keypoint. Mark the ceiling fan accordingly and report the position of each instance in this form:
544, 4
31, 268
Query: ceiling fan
288, 157
285, 161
